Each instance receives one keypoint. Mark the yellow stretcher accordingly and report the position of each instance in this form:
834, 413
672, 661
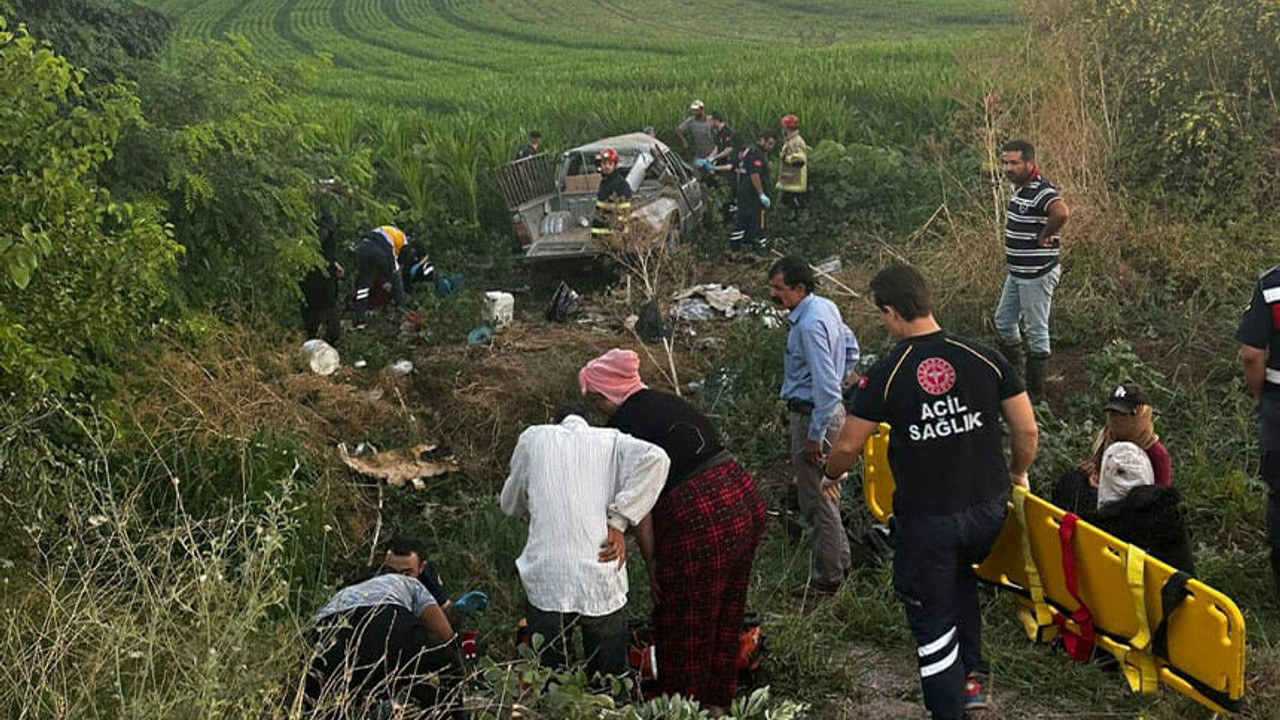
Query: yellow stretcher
1162, 626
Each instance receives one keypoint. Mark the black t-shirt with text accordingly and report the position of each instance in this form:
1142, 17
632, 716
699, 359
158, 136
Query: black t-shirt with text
941, 395
752, 161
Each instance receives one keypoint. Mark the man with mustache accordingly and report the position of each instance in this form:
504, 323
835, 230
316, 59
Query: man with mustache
1034, 218
819, 360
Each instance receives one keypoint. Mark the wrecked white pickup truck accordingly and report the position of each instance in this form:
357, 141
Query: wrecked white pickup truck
552, 202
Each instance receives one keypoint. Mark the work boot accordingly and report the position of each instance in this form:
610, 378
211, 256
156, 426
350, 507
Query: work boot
1036, 371
1013, 353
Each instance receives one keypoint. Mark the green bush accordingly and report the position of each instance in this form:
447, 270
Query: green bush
81, 273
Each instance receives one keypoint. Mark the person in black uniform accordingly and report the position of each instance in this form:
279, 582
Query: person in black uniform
753, 200
613, 200
943, 395
1259, 337
724, 161
320, 286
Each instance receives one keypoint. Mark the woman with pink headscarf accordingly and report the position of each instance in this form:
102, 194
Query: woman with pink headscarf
700, 539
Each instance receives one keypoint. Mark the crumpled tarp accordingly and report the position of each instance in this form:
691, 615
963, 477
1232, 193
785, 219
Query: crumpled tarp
709, 301
402, 465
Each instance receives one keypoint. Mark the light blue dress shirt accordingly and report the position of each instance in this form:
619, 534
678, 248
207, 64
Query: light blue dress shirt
821, 352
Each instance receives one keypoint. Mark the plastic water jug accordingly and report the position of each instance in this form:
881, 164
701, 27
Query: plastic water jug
499, 309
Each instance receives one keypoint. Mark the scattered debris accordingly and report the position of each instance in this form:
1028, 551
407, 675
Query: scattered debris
829, 266
499, 309
709, 301
447, 285
564, 303
360, 364
403, 465
482, 335
400, 367
320, 357
651, 328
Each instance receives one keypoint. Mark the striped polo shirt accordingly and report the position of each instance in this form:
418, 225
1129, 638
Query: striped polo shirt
1026, 216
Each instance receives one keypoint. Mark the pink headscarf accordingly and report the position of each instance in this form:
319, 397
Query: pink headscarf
615, 375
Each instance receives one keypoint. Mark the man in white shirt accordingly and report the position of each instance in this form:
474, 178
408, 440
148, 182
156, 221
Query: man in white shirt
582, 488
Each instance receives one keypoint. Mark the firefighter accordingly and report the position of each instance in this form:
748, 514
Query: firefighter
613, 200
753, 200
378, 257
793, 174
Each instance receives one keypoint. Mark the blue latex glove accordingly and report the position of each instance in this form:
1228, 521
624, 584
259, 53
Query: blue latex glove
705, 164
472, 602
765, 201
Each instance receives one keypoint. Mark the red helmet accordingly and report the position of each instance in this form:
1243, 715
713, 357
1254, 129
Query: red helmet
607, 155
790, 122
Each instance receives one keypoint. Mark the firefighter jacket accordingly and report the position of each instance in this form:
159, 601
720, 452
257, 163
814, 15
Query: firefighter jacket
613, 200
793, 175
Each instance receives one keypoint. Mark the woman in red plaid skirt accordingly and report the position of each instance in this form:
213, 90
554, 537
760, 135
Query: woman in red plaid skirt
699, 540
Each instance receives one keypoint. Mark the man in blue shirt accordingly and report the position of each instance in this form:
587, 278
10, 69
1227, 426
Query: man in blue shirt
819, 361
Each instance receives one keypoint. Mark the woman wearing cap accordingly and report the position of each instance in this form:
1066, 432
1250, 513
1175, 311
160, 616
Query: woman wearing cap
1136, 510
698, 542
1128, 419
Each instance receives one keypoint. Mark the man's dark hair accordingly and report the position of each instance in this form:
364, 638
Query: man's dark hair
717, 115
534, 135
769, 134
404, 545
794, 271
570, 407
904, 289
1020, 146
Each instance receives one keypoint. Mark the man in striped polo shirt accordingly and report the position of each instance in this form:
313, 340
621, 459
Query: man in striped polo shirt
1035, 215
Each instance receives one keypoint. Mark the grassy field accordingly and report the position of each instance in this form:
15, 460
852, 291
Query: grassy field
226, 449
861, 70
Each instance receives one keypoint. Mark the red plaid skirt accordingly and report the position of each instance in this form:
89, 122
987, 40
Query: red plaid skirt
706, 531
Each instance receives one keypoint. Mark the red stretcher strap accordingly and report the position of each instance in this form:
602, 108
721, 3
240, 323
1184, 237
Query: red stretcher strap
1079, 644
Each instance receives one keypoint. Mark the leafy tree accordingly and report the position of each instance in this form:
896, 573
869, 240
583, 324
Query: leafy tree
219, 145
105, 38
80, 274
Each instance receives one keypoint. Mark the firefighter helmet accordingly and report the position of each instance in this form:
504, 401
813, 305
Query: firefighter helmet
607, 155
790, 122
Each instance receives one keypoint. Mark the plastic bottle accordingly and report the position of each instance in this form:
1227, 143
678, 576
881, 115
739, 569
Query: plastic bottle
320, 357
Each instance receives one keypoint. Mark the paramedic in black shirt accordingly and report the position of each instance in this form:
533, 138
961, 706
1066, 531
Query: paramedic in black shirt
753, 194
944, 396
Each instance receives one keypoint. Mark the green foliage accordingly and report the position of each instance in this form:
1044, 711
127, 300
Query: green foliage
220, 146
80, 273
104, 37
1191, 81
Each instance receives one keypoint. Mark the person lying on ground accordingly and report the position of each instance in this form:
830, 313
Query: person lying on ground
1134, 509
381, 637
406, 556
582, 488
700, 539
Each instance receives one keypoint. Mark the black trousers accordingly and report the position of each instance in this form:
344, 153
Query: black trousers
1271, 476
375, 260
320, 305
604, 639
748, 226
376, 652
933, 575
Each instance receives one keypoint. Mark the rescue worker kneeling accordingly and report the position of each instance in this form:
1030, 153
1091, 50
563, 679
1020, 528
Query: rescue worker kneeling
378, 256
613, 200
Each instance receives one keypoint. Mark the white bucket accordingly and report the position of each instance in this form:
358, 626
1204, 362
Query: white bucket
320, 357
499, 309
